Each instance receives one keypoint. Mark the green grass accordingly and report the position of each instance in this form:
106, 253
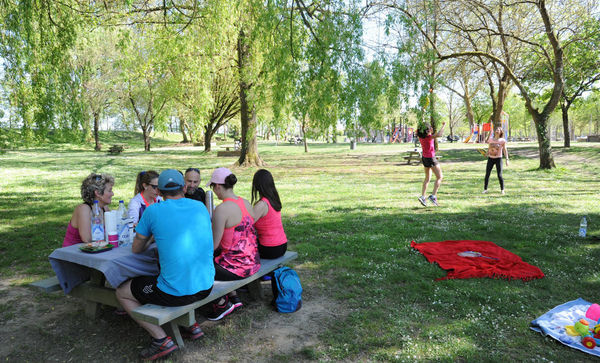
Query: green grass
351, 215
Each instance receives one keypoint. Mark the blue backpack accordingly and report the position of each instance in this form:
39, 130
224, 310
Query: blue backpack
289, 290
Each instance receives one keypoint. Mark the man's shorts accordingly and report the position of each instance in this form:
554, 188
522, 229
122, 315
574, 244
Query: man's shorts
144, 289
429, 162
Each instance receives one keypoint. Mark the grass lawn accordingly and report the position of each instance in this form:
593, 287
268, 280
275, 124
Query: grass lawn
351, 215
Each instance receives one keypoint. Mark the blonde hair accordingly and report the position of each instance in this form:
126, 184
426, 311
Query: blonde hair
94, 182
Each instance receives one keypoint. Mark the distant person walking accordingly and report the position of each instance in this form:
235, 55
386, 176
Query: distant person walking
497, 145
430, 163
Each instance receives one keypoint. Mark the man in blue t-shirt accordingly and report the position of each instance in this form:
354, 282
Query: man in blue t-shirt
183, 236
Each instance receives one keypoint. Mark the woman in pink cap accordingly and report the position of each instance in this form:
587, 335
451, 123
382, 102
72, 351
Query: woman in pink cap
234, 238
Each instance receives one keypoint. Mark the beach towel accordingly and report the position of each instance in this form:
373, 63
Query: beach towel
466, 259
555, 321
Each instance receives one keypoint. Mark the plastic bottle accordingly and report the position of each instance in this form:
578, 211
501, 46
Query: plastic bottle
97, 223
122, 224
583, 227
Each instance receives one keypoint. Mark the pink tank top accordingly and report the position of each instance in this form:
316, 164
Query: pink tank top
427, 146
269, 228
72, 236
239, 250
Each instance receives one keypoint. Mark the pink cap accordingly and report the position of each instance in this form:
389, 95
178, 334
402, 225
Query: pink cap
218, 176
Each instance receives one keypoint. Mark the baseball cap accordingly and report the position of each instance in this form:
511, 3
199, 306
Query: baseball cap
170, 176
218, 176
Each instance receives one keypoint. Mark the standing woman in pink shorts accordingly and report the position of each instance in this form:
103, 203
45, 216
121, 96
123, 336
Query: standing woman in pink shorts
430, 163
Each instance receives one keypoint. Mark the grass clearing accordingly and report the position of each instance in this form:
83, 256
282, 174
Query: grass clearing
351, 215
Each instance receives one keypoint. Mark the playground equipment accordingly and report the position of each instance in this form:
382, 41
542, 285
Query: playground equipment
487, 127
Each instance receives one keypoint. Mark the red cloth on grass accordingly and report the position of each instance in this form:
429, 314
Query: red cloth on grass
495, 262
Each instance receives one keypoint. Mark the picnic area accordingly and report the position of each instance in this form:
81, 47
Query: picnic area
351, 216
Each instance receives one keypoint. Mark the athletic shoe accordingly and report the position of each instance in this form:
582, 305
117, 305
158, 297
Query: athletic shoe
502, 192
236, 301
157, 350
221, 311
423, 201
433, 200
192, 333
484, 191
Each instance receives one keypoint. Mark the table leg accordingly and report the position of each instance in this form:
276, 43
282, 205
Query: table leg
91, 308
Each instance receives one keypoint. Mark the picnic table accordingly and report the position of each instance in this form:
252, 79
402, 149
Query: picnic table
414, 157
85, 274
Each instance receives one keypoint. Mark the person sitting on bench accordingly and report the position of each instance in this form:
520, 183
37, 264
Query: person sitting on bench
96, 187
272, 241
185, 247
236, 249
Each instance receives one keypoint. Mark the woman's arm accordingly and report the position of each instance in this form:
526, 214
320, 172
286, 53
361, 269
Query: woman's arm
260, 210
83, 214
439, 133
218, 225
505, 152
133, 210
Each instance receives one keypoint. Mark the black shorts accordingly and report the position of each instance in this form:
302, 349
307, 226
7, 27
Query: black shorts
270, 253
144, 289
429, 162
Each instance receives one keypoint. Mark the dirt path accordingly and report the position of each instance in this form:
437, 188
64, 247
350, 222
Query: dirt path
35, 326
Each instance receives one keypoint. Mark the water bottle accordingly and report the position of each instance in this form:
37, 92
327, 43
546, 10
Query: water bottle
97, 223
122, 224
583, 227
210, 203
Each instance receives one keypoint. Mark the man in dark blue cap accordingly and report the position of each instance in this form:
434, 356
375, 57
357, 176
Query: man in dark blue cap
183, 236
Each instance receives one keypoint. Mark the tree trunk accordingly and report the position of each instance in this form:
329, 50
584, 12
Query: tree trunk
96, 127
545, 147
182, 130
564, 107
146, 133
249, 153
208, 134
304, 133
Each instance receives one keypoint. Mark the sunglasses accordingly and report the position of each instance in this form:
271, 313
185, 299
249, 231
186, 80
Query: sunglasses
155, 186
192, 169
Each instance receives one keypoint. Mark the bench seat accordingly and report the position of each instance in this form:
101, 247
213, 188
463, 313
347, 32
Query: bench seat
175, 316
50, 284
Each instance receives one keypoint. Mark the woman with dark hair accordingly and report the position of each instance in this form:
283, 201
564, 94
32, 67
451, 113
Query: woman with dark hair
497, 145
427, 138
96, 187
234, 238
272, 241
145, 194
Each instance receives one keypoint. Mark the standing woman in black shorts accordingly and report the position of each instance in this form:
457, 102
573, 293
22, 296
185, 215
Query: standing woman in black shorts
497, 146
430, 163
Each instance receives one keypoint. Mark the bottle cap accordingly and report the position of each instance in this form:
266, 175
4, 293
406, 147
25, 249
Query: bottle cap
121, 201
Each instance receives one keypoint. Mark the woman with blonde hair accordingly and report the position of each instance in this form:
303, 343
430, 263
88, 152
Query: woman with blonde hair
96, 187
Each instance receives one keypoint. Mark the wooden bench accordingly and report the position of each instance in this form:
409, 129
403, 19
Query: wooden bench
116, 149
174, 316
170, 317
229, 151
47, 285
414, 158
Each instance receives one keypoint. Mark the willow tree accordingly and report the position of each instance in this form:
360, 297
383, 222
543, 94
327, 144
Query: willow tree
35, 43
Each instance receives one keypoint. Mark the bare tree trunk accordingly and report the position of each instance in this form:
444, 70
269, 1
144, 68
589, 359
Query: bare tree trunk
96, 127
249, 153
304, 133
564, 107
208, 134
545, 147
182, 130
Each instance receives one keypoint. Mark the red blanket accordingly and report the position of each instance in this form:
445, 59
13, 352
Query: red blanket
464, 259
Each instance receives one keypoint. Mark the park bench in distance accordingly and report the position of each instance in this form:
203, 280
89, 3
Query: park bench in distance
171, 317
116, 149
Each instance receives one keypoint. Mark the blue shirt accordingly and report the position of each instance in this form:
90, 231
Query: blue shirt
183, 234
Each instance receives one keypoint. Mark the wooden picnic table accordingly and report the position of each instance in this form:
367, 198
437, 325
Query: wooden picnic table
414, 158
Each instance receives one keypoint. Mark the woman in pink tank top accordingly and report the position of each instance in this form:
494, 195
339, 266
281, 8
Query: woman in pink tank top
234, 238
94, 187
272, 241
430, 163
